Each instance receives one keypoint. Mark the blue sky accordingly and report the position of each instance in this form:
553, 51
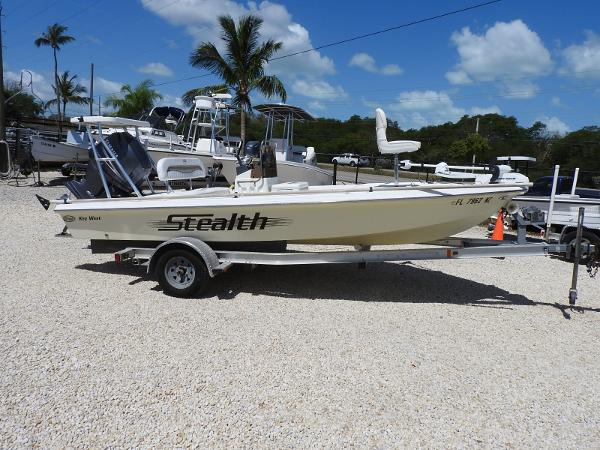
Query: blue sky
535, 60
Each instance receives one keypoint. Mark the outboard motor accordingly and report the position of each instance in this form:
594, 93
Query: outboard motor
251, 152
133, 158
504, 174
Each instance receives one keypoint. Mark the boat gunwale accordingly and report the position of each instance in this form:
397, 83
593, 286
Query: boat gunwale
90, 202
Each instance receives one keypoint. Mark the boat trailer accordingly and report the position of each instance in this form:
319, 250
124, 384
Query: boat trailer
184, 266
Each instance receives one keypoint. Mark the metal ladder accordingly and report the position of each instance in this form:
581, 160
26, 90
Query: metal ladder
112, 157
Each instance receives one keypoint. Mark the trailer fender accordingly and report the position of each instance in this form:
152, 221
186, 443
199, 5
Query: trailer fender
203, 250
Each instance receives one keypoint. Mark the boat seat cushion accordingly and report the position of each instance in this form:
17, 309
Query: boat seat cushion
391, 147
170, 169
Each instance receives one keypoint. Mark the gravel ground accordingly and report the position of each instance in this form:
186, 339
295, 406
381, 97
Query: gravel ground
475, 353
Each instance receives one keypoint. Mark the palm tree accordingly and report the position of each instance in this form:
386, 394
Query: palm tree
188, 97
54, 37
242, 67
135, 101
68, 91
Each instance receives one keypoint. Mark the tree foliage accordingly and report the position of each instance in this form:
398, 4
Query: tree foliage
54, 37
242, 66
134, 101
21, 104
68, 91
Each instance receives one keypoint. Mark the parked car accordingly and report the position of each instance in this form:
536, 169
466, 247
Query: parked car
351, 159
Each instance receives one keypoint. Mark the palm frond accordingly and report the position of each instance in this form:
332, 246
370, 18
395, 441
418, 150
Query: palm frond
270, 86
206, 56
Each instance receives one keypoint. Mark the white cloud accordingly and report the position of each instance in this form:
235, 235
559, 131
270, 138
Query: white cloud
199, 18
507, 51
171, 43
42, 86
320, 90
422, 100
519, 89
316, 105
458, 77
416, 109
170, 100
583, 60
554, 125
482, 111
367, 62
371, 104
93, 39
156, 68
556, 101
102, 86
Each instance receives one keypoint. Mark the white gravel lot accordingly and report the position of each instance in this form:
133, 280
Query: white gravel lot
479, 353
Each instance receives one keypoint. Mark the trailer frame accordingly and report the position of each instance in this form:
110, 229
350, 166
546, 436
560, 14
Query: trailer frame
215, 261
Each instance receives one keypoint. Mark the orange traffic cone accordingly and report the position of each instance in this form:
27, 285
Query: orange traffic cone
498, 234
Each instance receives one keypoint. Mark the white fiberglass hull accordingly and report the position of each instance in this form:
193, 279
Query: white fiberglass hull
363, 215
47, 151
287, 171
566, 209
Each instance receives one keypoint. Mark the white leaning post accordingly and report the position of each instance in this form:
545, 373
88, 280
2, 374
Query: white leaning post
552, 196
575, 178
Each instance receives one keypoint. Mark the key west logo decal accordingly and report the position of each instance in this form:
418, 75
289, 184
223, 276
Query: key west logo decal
208, 222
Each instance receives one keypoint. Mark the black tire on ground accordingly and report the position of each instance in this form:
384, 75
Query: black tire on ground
181, 273
586, 237
352, 164
334, 161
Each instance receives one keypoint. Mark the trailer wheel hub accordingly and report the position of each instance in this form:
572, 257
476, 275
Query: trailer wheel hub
179, 272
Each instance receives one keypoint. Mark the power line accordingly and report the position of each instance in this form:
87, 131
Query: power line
82, 10
386, 30
34, 15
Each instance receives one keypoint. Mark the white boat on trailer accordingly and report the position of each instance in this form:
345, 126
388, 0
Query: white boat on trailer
260, 208
48, 151
184, 233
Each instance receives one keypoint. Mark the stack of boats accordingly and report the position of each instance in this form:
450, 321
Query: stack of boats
113, 203
208, 139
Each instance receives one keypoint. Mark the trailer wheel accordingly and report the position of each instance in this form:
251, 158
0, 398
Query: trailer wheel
587, 237
181, 273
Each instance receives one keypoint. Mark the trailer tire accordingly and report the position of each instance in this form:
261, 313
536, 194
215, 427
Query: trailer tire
586, 237
181, 273
352, 164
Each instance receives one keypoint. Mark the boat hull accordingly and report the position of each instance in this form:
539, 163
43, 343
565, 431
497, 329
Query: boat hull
389, 216
51, 152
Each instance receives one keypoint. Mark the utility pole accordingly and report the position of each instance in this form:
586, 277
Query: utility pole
99, 105
2, 105
91, 89
476, 132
